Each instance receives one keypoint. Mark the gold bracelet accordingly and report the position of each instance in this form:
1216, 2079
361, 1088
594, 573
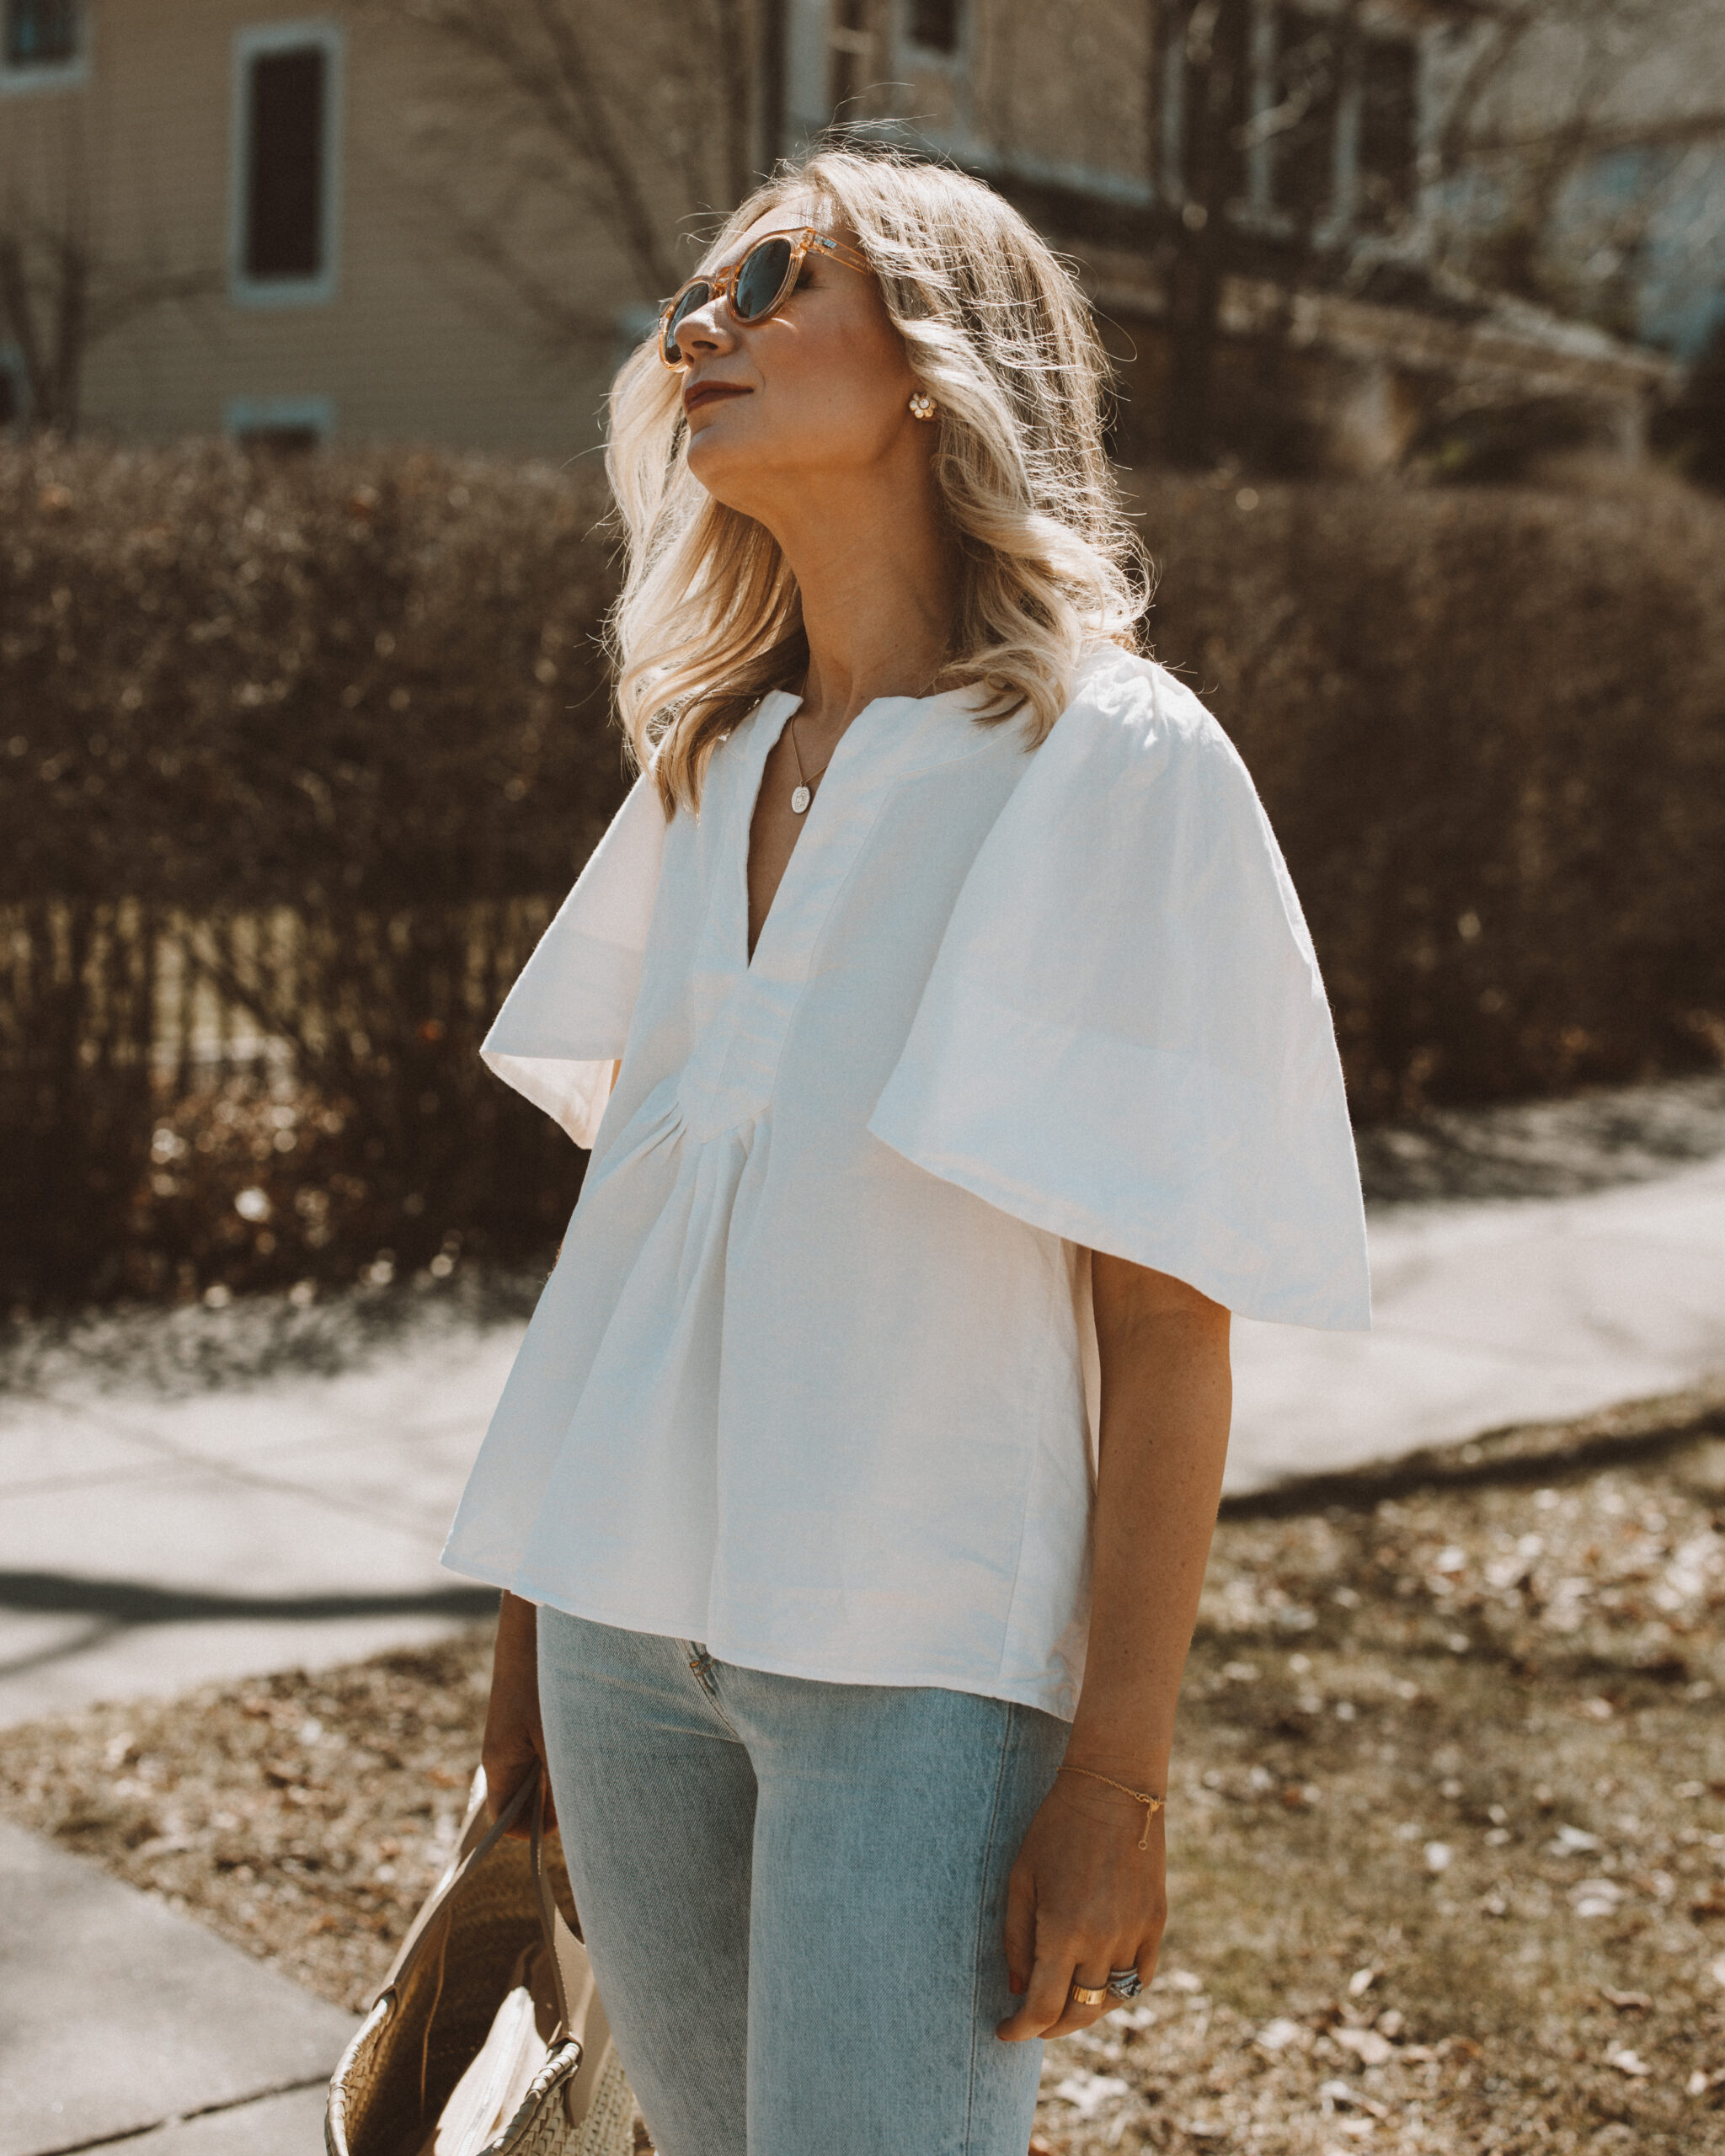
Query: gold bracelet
1152, 1805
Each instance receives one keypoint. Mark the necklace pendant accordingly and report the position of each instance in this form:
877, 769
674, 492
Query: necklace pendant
801, 799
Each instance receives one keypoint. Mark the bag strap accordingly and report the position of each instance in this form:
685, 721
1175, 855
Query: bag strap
453, 1880
550, 1921
557, 1937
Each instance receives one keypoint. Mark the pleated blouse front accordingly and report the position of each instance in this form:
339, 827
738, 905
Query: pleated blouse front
813, 1378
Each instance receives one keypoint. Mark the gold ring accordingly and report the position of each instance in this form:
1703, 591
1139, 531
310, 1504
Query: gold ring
1082, 1995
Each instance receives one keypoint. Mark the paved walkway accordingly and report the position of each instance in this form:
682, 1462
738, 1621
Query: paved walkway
1492, 1314
142, 2027
148, 1544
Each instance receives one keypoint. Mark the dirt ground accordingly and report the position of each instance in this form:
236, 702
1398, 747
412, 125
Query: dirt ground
1447, 1828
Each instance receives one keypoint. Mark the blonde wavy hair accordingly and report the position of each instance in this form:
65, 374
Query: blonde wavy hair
997, 331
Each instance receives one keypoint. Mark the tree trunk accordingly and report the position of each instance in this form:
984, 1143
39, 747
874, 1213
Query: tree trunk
770, 145
1194, 306
52, 350
1209, 47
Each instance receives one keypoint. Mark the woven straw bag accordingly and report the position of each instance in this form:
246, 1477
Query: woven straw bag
487, 2038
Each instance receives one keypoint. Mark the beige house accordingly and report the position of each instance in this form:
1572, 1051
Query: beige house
258, 162
392, 219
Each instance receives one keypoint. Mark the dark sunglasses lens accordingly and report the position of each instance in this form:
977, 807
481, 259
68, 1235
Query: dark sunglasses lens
760, 278
697, 295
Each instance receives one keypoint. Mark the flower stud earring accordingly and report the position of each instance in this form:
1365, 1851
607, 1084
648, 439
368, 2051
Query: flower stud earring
923, 405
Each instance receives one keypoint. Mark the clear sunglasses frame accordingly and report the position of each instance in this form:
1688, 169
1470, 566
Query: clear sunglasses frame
722, 285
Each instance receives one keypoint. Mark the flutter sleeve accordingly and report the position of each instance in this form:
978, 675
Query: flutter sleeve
566, 1020
1124, 1039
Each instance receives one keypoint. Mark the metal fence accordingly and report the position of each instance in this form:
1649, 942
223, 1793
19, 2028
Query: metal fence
250, 1098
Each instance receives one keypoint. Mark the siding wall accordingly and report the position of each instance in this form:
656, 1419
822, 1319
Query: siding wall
415, 343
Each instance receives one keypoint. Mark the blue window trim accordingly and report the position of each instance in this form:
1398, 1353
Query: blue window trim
257, 41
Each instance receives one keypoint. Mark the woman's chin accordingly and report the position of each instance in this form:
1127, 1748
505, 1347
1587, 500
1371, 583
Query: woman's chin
723, 468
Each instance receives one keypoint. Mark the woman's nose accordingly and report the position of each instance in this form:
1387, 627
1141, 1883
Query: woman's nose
704, 330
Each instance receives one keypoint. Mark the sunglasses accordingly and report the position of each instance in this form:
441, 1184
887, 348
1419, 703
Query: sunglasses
754, 287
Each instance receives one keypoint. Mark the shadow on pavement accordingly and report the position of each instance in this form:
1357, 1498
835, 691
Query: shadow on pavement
1531, 1453
133, 1601
114, 1606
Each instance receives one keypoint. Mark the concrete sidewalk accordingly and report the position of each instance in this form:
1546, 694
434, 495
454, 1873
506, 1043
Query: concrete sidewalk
141, 2027
149, 1543
1491, 1314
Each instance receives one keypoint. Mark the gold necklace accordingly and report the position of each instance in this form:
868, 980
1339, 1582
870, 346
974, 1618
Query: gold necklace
803, 792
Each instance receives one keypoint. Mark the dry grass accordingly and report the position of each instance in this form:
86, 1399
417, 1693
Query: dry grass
1449, 1868
1448, 1837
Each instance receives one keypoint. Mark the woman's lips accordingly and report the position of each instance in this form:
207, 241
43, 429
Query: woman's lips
705, 392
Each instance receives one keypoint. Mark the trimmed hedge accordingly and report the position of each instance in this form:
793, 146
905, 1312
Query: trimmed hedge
296, 757
1490, 730
290, 752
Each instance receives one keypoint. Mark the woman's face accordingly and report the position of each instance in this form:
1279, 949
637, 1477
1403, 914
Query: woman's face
817, 392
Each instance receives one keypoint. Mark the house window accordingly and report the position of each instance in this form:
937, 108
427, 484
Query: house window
279, 425
934, 25
1308, 103
40, 32
42, 43
1389, 81
285, 135
285, 164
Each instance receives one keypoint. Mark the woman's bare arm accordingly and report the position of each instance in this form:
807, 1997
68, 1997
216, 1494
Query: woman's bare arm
1084, 1898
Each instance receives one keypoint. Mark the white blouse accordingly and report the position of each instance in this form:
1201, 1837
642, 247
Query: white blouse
813, 1380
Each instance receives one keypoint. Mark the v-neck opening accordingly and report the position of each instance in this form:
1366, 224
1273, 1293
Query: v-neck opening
838, 769
749, 950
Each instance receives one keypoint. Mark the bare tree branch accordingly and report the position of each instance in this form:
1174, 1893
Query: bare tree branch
66, 285
606, 147
556, 325
591, 112
555, 79
17, 311
1600, 138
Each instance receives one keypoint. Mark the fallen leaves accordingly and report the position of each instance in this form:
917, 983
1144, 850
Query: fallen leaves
1595, 1897
1089, 2093
1278, 2035
302, 1817
1368, 2046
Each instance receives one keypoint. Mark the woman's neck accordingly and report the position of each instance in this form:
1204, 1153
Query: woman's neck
878, 587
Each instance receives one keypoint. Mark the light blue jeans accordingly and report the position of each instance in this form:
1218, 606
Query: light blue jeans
793, 1894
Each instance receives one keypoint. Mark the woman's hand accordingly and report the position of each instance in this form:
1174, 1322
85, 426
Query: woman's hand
1083, 1900
514, 1744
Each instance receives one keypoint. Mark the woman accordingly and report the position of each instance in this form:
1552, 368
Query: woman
954, 1060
